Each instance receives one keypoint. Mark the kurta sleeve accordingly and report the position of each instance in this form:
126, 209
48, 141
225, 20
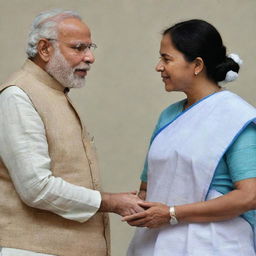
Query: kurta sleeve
24, 151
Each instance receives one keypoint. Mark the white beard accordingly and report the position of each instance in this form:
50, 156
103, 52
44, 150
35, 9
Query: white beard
60, 69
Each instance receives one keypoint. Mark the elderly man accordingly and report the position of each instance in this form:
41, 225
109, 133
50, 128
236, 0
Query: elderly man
50, 201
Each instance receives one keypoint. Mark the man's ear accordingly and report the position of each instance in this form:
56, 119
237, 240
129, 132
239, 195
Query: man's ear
44, 49
199, 65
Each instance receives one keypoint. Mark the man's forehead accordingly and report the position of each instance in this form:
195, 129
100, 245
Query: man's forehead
73, 27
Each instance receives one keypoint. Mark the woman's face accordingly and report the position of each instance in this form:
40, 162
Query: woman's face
176, 72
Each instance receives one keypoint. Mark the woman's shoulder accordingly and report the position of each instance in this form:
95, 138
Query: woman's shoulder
244, 144
173, 108
240, 156
245, 139
169, 113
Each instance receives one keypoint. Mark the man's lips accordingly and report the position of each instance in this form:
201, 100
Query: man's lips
81, 72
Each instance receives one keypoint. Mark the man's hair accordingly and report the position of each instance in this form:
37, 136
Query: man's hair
45, 26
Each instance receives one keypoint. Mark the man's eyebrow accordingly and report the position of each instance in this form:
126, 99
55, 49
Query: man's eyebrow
77, 42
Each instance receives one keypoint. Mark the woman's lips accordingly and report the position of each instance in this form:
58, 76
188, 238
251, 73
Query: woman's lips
164, 78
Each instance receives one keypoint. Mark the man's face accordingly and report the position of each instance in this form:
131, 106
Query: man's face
71, 60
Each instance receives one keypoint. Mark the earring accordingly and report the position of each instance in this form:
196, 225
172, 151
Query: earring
196, 73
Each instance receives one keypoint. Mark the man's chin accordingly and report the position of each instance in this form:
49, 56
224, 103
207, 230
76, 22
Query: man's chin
79, 83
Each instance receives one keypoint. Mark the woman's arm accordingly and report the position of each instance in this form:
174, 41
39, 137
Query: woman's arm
230, 205
143, 190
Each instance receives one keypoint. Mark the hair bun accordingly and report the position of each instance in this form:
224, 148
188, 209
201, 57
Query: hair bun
227, 71
235, 57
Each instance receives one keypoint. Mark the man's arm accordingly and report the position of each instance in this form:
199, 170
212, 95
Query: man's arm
24, 151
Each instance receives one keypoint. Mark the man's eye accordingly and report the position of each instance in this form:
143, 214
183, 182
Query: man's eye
79, 48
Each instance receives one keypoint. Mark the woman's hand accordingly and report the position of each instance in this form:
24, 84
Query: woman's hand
155, 215
228, 206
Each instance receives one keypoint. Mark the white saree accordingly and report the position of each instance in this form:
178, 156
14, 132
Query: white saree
181, 163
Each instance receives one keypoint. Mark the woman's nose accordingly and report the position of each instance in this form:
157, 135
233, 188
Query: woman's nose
159, 67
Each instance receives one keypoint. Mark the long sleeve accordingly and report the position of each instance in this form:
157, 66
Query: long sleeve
24, 151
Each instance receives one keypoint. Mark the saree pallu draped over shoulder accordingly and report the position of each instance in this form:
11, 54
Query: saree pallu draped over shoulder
181, 163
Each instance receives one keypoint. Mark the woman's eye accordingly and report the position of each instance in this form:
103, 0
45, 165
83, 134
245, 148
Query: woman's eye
166, 60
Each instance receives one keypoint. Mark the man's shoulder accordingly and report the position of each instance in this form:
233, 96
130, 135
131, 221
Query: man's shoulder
13, 93
13, 79
12, 90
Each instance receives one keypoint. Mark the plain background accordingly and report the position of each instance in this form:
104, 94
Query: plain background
124, 95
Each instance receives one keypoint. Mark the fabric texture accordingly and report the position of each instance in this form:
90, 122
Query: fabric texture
181, 163
17, 252
28, 140
73, 160
238, 163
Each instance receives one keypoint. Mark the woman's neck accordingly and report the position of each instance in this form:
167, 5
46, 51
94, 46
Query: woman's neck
199, 91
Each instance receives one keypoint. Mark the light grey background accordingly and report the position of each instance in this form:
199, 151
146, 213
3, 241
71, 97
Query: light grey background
124, 95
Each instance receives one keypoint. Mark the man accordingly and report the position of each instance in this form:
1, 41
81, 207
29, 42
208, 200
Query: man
50, 201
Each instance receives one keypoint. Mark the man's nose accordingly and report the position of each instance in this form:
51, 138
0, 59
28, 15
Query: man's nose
88, 57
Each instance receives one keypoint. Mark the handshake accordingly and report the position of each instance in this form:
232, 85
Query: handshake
134, 210
123, 204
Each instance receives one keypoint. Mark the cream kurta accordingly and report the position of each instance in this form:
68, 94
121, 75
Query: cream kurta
72, 159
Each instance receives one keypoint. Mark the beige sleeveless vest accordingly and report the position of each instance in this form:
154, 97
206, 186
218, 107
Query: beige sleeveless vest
72, 158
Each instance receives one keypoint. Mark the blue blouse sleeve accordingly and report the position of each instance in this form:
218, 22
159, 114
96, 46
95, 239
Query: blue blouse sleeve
241, 156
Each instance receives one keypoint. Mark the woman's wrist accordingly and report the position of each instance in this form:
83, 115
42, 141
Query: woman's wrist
142, 194
173, 216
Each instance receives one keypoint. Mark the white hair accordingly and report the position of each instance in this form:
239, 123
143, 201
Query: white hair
44, 26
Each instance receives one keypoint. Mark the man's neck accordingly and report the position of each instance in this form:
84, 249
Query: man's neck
39, 62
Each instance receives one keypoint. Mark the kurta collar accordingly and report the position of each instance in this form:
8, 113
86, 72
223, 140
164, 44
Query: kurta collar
43, 76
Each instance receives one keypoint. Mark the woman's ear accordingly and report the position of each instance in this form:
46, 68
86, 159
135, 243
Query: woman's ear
44, 49
199, 65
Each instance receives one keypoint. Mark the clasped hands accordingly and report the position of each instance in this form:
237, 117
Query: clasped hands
135, 211
154, 215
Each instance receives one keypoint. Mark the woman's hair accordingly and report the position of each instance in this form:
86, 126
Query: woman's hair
197, 38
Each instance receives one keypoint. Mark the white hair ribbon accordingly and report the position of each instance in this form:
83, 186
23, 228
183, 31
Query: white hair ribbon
232, 75
236, 58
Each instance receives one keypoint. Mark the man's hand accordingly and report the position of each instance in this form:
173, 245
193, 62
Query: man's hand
155, 216
123, 204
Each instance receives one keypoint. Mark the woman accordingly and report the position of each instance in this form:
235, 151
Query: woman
199, 179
